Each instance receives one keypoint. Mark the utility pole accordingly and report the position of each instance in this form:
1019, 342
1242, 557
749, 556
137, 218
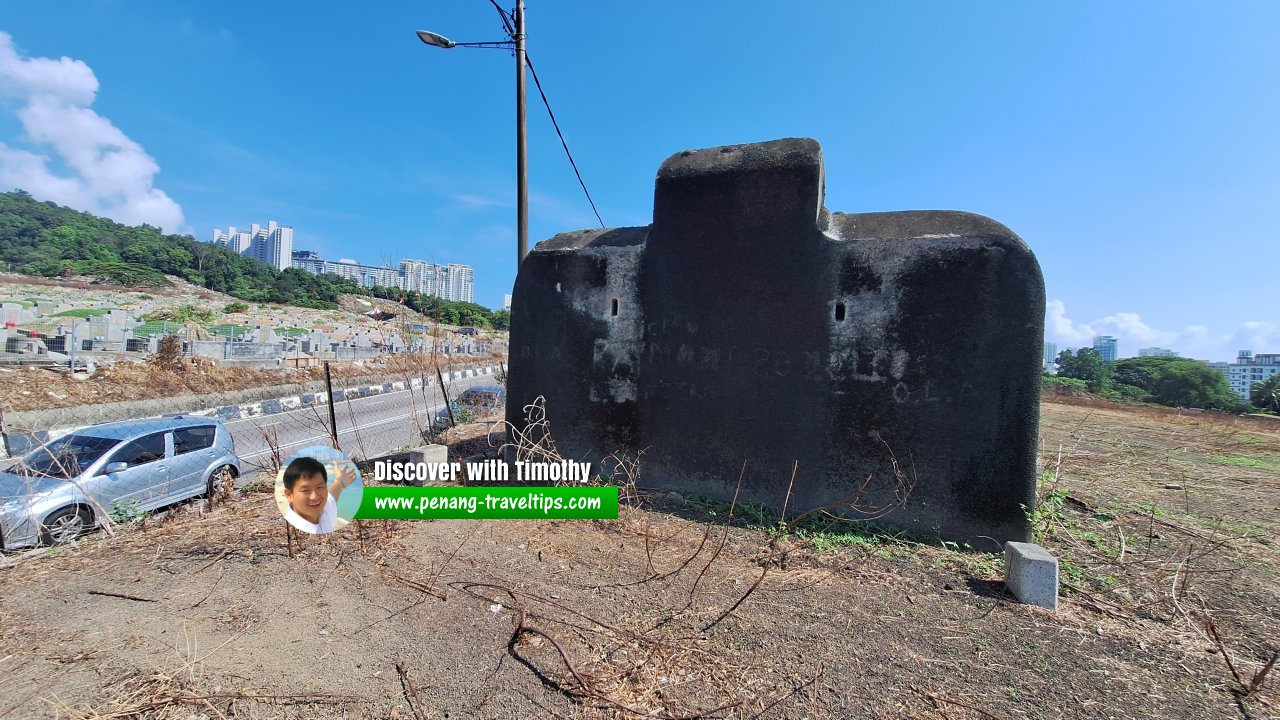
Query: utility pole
522, 141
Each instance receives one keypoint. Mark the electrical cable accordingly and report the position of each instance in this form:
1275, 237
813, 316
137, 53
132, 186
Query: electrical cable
511, 32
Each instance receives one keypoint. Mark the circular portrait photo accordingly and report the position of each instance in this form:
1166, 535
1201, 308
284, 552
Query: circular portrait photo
318, 489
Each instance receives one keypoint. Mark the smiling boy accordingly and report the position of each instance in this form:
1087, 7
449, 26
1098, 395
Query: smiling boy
313, 502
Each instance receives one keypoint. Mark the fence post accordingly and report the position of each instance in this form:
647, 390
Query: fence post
333, 420
445, 392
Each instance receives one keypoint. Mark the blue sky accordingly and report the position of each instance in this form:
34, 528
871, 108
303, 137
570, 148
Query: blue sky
1132, 145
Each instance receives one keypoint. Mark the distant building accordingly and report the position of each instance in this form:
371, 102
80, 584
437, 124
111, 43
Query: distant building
1156, 352
1050, 352
1247, 370
272, 245
457, 283
449, 282
1106, 346
309, 261
506, 303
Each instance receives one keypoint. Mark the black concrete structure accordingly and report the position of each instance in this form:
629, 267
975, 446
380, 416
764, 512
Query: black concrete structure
749, 324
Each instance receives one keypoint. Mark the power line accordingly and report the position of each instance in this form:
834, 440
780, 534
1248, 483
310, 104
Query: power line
506, 21
534, 73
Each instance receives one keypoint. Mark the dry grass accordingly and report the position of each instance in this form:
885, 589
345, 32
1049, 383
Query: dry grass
36, 388
669, 612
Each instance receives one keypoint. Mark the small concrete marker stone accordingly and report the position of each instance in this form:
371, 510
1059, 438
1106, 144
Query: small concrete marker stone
430, 454
1031, 573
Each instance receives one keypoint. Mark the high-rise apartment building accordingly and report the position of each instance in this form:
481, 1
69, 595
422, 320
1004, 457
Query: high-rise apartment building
1050, 354
457, 283
1247, 370
1106, 346
309, 261
272, 245
449, 282
1157, 352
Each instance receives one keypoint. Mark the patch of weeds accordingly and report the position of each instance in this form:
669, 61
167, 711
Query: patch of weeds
1149, 508
1094, 538
967, 559
1238, 461
1234, 527
261, 483
123, 512
754, 516
1034, 657
1070, 572
881, 542
1048, 511
823, 532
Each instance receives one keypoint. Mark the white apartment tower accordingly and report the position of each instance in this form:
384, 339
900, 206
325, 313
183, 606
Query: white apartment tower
457, 283
449, 282
272, 245
1247, 370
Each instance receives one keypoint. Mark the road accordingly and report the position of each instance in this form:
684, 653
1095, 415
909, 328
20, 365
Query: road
367, 427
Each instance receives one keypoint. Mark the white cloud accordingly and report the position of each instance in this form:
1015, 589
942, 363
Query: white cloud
108, 173
1059, 328
1194, 341
1130, 326
481, 202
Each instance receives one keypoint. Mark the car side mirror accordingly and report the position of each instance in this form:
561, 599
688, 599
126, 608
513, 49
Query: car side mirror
116, 467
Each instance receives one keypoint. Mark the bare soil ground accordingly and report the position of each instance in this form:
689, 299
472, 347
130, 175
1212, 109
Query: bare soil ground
1165, 524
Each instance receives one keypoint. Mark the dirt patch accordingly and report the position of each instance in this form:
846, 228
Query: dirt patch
667, 612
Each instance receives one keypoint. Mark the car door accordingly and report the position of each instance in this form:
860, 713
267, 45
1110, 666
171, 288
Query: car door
145, 476
193, 453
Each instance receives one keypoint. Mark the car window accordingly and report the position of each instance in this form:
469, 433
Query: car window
190, 439
67, 456
141, 451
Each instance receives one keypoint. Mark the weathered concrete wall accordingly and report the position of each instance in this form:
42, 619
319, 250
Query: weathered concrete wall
749, 324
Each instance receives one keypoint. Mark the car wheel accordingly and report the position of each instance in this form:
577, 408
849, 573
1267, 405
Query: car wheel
221, 482
66, 525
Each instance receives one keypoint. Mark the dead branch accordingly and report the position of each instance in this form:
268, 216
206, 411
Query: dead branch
939, 698
585, 689
121, 596
207, 565
410, 693
693, 590
763, 571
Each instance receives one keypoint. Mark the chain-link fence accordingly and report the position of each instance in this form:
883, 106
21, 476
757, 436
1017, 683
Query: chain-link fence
69, 467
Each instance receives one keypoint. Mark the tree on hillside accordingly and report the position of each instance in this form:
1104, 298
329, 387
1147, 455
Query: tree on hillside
1141, 371
1177, 382
43, 238
1194, 384
1266, 394
1086, 365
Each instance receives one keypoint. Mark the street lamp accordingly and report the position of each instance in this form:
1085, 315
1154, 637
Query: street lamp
516, 43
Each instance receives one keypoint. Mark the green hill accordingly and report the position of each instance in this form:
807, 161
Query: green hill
46, 239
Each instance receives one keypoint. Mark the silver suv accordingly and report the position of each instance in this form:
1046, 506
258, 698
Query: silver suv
66, 487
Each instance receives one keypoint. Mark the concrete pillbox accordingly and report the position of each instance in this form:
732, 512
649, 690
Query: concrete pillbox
1032, 574
885, 364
